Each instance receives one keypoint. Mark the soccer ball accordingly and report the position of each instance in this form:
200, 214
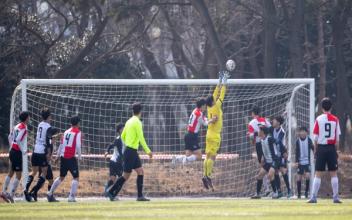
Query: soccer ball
230, 65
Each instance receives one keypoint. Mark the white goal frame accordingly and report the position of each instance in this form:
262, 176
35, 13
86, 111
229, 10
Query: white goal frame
300, 81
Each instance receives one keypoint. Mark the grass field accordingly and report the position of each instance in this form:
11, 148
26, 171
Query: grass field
194, 209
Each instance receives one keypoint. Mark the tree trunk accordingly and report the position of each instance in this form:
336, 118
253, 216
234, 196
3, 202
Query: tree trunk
269, 39
322, 59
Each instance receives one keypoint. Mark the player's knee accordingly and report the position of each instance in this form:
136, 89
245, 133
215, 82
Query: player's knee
333, 173
62, 178
126, 176
11, 172
18, 175
140, 171
318, 174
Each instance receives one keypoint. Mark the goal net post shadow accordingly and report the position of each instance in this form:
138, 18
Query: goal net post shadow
167, 104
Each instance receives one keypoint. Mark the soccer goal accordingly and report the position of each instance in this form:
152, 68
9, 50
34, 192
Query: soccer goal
102, 103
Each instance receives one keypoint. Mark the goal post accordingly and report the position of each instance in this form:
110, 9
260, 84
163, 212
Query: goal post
102, 103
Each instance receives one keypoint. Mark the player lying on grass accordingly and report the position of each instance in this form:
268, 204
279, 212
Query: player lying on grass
41, 155
326, 141
68, 152
18, 149
254, 139
268, 161
304, 146
196, 120
132, 135
115, 164
281, 154
213, 136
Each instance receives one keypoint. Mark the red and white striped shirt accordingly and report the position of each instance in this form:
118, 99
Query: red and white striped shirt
196, 119
326, 129
18, 137
253, 127
71, 143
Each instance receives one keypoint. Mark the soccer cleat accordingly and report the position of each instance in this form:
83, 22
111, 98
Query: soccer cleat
306, 195
337, 201
3, 195
110, 195
312, 200
34, 195
289, 194
27, 196
205, 182
279, 195
143, 199
210, 183
256, 196
299, 197
275, 195
71, 199
51, 198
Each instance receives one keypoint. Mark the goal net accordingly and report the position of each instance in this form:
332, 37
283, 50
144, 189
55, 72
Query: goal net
101, 104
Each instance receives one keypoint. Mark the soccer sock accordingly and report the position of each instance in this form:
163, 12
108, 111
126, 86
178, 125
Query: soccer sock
210, 164
316, 185
335, 186
110, 182
285, 176
307, 185
116, 187
74, 187
191, 158
259, 186
29, 182
55, 185
205, 164
39, 185
140, 185
14, 186
273, 185
278, 182
6, 183
299, 185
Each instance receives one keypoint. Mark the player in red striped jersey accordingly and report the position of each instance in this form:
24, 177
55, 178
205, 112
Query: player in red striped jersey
196, 120
69, 151
18, 143
326, 140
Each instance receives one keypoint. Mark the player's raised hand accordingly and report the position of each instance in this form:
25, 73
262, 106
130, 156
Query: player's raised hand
226, 76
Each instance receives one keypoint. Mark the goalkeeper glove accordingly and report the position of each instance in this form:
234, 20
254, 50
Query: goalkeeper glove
221, 75
225, 77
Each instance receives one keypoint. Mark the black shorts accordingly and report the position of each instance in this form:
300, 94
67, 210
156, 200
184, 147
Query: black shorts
267, 166
69, 164
15, 157
258, 148
326, 155
49, 173
115, 168
191, 141
302, 169
131, 160
39, 160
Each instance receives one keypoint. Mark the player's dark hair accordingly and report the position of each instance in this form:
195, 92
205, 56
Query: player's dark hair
209, 100
75, 120
23, 116
303, 128
45, 112
279, 119
136, 108
255, 110
266, 130
119, 126
326, 104
200, 102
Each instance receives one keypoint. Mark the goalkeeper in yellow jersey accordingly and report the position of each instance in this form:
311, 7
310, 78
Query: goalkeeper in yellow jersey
213, 137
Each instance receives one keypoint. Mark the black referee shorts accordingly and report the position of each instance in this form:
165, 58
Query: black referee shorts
131, 160
326, 156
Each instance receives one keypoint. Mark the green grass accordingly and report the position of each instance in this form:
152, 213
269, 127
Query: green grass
202, 209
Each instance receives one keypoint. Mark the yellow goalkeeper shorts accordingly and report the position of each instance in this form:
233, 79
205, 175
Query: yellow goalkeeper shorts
212, 146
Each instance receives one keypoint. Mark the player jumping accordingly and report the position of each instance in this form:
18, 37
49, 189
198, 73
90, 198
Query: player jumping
115, 164
304, 146
69, 151
326, 141
18, 143
196, 120
213, 137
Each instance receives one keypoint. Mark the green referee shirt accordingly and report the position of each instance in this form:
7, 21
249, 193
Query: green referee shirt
132, 135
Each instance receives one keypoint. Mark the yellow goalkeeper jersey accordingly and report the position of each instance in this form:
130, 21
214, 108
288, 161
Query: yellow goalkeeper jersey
214, 129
